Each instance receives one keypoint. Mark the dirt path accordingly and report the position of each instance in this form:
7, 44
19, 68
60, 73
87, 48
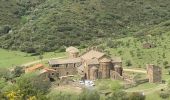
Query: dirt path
134, 70
38, 61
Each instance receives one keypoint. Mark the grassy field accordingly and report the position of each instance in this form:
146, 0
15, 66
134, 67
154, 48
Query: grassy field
144, 86
13, 58
154, 96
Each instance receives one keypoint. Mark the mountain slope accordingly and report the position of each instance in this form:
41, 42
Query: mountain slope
54, 24
134, 54
8, 14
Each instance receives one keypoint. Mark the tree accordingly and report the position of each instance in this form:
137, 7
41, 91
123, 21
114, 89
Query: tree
165, 63
128, 63
54, 95
118, 95
89, 95
40, 56
136, 96
164, 55
164, 94
27, 87
169, 71
18, 70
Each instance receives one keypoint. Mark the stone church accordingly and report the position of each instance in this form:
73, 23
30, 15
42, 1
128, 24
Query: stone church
91, 65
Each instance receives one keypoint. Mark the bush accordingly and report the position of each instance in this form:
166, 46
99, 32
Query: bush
18, 71
136, 96
54, 95
28, 85
164, 95
118, 95
89, 95
165, 63
4, 29
128, 63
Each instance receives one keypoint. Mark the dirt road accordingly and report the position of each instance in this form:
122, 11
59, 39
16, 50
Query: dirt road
38, 61
134, 70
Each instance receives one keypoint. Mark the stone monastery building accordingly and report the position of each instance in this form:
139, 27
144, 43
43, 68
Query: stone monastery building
91, 65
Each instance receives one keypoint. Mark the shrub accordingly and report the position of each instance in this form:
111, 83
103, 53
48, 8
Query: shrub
128, 63
136, 96
164, 95
89, 95
118, 95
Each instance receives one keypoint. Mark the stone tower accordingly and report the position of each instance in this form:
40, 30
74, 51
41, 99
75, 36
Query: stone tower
93, 73
104, 69
72, 52
154, 73
118, 69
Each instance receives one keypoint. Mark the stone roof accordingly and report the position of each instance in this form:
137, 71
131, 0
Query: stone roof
92, 54
105, 60
65, 61
116, 59
92, 61
80, 69
117, 66
94, 68
72, 49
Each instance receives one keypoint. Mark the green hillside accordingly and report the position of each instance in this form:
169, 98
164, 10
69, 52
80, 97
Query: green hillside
53, 24
8, 9
134, 54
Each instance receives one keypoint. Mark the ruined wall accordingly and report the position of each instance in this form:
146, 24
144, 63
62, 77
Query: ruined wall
93, 74
154, 73
104, 70
118, 69
66, 69
115, 75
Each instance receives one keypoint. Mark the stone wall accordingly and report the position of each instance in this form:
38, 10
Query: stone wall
154, 73
66, 69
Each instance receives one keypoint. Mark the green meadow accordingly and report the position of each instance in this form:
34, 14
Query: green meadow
13, 58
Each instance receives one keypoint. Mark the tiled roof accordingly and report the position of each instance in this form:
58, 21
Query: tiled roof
94, 67
65, 61
72, 49
116, 59
33, 68
92, 61
105, 60
92, 54
117, 66
45, 70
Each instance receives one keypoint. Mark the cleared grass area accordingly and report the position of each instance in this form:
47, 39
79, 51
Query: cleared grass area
107, 85
13, 58
145, 86
68, 89
154, 96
